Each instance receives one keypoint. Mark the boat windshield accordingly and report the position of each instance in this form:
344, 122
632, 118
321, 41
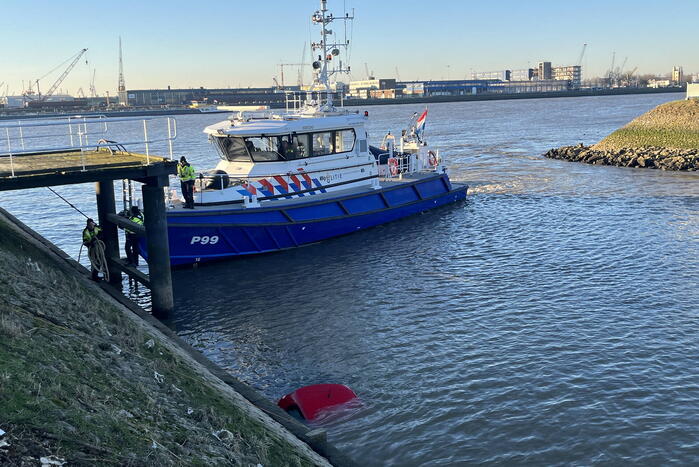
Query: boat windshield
285, 147
232, 149
264, 148
260, 148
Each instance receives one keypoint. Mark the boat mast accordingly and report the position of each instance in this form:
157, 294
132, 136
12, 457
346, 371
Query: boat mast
329, 51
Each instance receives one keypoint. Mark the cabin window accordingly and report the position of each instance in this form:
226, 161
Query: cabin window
265, 148
285, 147
344, 140
323, 143
293, 146
232, 149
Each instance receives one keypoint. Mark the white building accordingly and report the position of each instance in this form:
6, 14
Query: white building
677, 74
692, 91
659, 83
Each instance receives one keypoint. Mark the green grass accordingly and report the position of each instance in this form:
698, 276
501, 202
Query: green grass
671, 125
637, 137
65, 390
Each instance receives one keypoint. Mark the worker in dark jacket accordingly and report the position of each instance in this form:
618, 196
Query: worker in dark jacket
131, 244
91, 233
187, 176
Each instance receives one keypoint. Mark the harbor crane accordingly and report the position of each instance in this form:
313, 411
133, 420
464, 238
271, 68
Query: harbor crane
368, 75
610, 73
54, 86
582, 54
299, 79
93, 90
620, 71
281, 68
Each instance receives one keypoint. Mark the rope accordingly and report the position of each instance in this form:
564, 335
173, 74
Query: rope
69, 203
98, 260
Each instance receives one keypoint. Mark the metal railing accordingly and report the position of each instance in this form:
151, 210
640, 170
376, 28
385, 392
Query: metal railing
78, 130
399, 164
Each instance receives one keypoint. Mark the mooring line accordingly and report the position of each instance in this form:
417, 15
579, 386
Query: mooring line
69, 203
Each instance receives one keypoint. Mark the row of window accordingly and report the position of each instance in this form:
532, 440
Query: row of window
286, 147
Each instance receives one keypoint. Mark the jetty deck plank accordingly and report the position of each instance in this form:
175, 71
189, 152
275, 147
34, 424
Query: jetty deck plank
66, 167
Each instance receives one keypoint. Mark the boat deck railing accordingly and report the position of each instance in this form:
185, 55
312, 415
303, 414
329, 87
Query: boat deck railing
83, 134
399, 165
296, 100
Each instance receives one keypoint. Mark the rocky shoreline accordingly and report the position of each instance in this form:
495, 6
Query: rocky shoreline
645, 157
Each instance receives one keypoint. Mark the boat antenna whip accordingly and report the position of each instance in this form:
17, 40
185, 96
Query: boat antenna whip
68, 202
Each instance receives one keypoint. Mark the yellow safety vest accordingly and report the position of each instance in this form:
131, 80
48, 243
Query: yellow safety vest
186, 172
136, 220
89, 236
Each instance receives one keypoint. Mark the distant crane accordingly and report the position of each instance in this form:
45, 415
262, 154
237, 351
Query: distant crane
302, 68
281, 67
610, 73
620, 71
121, 87
398, 75
54, 86
93, 90
276, 83
368, 75
582, 54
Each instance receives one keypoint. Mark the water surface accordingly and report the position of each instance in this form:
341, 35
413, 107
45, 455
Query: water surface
550, 318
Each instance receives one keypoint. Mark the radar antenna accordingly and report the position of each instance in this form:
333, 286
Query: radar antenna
328, 63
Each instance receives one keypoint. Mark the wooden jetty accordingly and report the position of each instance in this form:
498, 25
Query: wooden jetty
102, 165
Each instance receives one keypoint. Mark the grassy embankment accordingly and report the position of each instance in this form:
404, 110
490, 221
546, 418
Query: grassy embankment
91, 383
674, 125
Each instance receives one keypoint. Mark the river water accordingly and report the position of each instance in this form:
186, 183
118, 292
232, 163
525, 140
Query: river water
551, 318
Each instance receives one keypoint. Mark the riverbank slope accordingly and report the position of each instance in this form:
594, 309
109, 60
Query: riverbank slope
85, 380
666, 137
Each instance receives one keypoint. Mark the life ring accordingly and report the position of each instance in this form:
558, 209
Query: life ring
393, 166
433, 158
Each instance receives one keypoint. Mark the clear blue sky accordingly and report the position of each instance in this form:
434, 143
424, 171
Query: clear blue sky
239, 43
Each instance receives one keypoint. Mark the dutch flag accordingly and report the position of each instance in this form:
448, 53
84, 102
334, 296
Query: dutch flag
420, 123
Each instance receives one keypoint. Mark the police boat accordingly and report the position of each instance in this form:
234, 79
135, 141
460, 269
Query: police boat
304, 174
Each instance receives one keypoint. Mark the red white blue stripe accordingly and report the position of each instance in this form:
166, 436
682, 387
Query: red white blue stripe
289, 186
420, 123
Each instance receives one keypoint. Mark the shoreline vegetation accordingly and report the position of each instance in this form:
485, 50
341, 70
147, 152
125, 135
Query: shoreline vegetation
665, 138
85, 381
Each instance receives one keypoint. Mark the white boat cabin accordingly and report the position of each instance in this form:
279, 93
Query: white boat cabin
285, 156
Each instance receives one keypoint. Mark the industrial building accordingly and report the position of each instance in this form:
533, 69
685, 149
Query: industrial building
363, 89
55, 100
230, 96
517, 80
541, 85
543, 78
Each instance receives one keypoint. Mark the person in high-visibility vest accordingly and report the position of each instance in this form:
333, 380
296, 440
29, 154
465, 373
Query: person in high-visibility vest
90, 234
131, 245
187, 176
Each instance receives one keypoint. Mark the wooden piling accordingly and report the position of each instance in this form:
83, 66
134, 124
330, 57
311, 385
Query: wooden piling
155, 221
105, 206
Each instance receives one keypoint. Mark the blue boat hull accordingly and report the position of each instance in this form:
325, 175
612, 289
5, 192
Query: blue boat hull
201, 236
